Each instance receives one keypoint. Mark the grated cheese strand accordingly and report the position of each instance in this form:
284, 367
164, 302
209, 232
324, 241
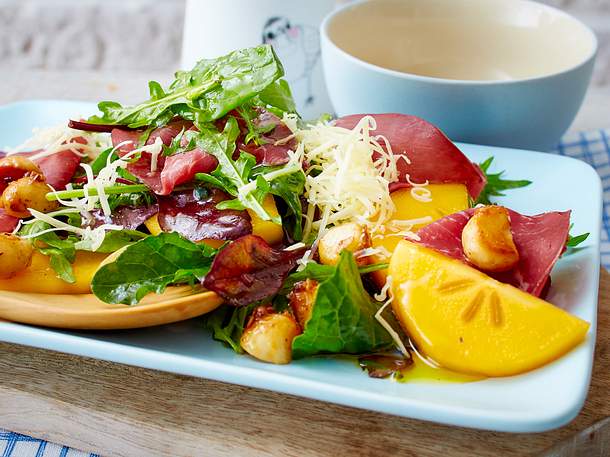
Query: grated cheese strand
419, 191
91, 239
383, 294
348, 175
60, 138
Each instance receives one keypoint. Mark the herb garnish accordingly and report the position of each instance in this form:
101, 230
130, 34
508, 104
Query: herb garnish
207, 92
61, 252
574, 241
496, 185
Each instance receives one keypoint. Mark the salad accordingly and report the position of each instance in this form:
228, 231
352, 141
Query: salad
371, 234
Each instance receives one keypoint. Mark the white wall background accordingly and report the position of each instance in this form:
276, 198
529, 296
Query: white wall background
145, 35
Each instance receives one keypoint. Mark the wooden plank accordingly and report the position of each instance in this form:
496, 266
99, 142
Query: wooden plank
119, 410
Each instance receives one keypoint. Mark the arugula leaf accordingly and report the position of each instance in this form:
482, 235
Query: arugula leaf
60, 264
231, 175
227, 324
343, 316
176, 146
206, 93
289, 188
249, 115
102, 160
131, 199
61, 252
496, 185
277, 98
117, 239
150, 265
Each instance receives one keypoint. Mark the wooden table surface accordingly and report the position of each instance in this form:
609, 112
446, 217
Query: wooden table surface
119, 410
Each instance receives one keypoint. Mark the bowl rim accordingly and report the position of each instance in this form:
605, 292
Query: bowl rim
324, 34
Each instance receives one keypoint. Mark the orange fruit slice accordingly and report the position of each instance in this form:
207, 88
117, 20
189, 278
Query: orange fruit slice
468, 322
445, 199
40, 278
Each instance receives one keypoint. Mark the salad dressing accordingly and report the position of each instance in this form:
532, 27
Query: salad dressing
415, 369
422, 370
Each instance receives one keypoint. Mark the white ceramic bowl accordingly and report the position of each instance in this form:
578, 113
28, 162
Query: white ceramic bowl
501, 72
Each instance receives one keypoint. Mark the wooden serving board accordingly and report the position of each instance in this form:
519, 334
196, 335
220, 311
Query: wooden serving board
118, 410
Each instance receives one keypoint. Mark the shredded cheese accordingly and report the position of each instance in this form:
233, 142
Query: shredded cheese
52, 140
367, 252
91, 239
107, 176
419, 191
348, 173
384, 294
154, 149
295, 246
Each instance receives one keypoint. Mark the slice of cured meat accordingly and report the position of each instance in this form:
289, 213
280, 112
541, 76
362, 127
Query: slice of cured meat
59, 168
275, 143
128, 217
7, 223
170, 171
540, 240
434, 158
182, 168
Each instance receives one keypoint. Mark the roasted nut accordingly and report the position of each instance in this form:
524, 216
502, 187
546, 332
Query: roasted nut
15, 255
14, 167
302, 299
27, 192
352, 237
21, 163
488, 241
268, 335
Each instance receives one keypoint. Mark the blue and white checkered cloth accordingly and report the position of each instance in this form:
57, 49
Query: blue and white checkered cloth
16, 445
592, 147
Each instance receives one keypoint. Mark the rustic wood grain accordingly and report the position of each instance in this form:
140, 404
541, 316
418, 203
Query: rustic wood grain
119, 410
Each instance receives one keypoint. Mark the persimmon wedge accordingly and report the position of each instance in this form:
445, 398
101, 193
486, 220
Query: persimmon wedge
471, 323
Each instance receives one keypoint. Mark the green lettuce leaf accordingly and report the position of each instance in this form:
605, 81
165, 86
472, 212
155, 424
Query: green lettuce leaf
117, 239
277, 98
227, 324
150, 265
206, 93
343, 316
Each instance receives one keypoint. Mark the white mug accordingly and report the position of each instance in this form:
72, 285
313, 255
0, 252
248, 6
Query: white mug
214, 28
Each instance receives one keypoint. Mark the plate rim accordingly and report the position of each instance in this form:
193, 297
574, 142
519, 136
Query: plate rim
290, 384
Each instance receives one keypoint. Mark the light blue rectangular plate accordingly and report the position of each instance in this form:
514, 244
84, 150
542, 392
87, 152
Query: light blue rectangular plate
540, 400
